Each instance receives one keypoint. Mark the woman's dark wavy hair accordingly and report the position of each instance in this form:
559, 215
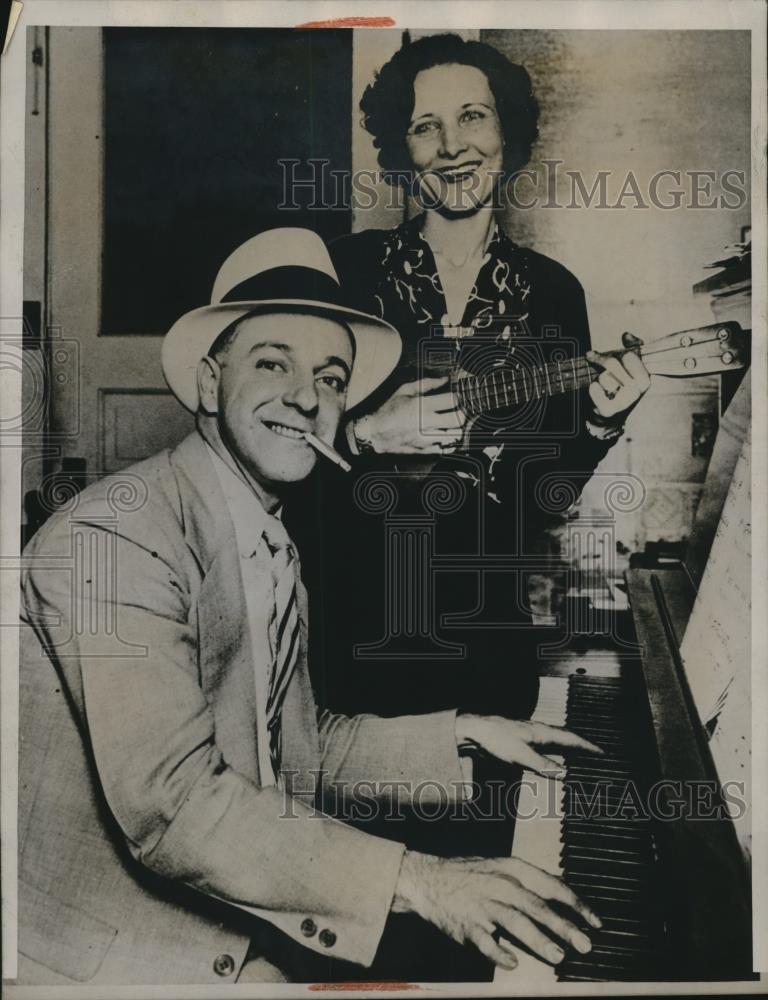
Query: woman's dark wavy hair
387, 103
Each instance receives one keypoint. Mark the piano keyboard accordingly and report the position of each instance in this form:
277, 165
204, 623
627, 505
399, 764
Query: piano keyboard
609, 861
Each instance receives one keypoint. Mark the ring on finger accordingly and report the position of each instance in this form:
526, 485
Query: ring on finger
609, 385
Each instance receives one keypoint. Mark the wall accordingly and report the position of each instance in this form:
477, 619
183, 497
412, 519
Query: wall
642, 102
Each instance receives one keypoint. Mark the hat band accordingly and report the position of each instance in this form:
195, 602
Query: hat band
287, 283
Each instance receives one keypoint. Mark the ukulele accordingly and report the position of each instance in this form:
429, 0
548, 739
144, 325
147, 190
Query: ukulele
493, 384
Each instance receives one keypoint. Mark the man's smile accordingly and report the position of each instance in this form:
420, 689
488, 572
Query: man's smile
285, 430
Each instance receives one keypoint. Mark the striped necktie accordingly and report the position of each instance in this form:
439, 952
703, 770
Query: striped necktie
284, 630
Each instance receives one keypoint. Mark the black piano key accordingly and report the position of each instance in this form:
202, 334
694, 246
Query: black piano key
593, 834
624, 941
631, 889
604, 759
614, 900
631, 922
620, 885
610, 782
607, 910
601, 832
606, 741
623, 967
593, 798
609, 715
622, 857
615, 782
616, 724
607, 824
606, 842
629, 954
598, 772
600, 715
574, 978
596, 716
637, 857
608, 848
627, 866
578, 680
605, 967
600, 700
594, 803
621, 901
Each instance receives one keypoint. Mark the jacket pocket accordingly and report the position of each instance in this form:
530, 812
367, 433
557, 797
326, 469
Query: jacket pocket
60, 936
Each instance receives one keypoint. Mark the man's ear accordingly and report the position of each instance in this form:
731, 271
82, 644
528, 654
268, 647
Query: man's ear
208, 378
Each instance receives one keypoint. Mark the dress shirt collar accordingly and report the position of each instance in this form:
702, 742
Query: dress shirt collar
248, 515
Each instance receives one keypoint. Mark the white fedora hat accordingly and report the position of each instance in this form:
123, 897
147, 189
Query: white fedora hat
279, 269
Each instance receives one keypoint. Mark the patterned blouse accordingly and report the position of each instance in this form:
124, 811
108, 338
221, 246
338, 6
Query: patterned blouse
522, 306
410, 280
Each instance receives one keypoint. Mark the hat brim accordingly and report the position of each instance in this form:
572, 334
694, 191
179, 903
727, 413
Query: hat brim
377, 344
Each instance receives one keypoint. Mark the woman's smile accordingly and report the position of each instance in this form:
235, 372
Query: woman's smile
460, 172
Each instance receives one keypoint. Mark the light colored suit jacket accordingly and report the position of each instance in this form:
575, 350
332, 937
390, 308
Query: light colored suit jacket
149, 853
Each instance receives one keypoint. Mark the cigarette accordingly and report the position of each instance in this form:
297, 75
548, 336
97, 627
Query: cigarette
327, 451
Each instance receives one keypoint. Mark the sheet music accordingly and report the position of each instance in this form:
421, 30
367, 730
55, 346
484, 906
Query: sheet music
716, 647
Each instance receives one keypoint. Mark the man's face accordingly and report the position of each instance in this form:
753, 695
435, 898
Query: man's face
281, 375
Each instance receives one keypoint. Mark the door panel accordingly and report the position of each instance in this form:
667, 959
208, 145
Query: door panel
98, 364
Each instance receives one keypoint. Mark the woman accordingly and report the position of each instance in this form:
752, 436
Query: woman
453, 120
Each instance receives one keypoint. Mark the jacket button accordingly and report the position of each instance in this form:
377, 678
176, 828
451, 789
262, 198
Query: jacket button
327, 938
308, 927
224, 965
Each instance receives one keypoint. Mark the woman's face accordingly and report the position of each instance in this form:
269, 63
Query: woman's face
454, 138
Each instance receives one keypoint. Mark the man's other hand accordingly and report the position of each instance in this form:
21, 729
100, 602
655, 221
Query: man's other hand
487, 901
514, 742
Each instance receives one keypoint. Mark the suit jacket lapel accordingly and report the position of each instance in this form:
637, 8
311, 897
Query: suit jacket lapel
225, 652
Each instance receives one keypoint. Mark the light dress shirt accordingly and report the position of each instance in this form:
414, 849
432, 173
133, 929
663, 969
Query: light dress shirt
250, 519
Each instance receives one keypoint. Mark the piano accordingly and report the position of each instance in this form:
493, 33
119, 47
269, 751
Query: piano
672, 890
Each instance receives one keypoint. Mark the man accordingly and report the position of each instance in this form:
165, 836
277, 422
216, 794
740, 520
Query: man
171, 749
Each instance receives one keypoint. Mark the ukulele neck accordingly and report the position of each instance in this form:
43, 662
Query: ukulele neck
706, 350
517, 384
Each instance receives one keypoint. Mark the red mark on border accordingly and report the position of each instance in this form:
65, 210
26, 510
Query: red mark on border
351, 22
380, 986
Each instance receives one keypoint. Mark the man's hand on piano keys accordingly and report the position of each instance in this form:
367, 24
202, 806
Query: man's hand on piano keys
485, 901
513, 741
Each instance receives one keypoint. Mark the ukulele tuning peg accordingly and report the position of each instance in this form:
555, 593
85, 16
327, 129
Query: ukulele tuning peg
631, 340
722, 334
686, 341
727, 357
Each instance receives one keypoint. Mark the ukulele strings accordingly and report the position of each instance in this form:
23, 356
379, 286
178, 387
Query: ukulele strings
578, 369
